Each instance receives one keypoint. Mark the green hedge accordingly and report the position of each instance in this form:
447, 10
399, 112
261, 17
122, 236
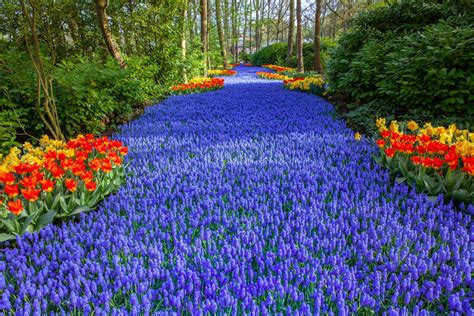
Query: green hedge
276, 54
91, 96
410, 59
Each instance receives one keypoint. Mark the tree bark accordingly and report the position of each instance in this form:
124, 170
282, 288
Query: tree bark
257, 36
268, 22
204, 39
101, 9
184, 18
317, 38
244, 36
299, 37
221, 33
45, 102
227, 34
290, 32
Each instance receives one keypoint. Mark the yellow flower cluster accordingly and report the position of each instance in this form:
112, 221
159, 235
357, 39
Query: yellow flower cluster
30, 154
463, 139
200, 80
305, 84
221, 72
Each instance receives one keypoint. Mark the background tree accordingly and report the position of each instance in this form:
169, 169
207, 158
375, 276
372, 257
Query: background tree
45, 102
317, 38
291, 31
221, 33
204, 34
299, 36
102, 18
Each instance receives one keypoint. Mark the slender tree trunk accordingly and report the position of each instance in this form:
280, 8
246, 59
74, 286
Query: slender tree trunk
221, 33
291, 30
226, 26
268, 22
250, 34
209, 26
196, 4
184, 20
317, 38
204, 39
45, 102
244, 36
322, 19
101, 7
235, 26
299, 37
257, 24
192, 18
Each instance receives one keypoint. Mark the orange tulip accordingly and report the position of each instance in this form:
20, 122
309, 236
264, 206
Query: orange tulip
31, 194
11, 190
16, 207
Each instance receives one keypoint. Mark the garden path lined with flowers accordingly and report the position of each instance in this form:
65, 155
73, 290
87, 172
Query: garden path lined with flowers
251, 198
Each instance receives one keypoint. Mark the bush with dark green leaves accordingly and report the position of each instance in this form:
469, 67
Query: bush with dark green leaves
91, 96
276, 54
408, 60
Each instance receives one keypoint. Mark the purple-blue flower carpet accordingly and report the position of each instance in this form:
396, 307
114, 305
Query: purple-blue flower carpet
248, 200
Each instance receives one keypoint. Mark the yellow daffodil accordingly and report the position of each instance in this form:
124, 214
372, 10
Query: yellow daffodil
394, 126
412, 126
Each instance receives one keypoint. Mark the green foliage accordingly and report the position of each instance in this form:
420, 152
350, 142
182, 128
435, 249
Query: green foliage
432, 69
296, 74
91, 92
91, 96
276, 54
455, 185
415, 57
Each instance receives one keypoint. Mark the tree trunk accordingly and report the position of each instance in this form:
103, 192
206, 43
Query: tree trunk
268, 22
101, 6
226, 26
221, 33
299, 37
244, 36
184, 18
235, 28
45, 103
250, 35
257, 24
317, 38
204, 40
291, 30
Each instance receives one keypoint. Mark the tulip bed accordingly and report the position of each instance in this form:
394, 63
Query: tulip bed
221, 72
250, 199
278, 68
436, 160
313, 85
56, 180
197, 85
270, 75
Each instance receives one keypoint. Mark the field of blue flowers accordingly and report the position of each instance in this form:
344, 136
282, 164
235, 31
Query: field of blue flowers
250, 199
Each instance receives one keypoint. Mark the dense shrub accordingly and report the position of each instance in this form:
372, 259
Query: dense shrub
276, 54
91, 96
410, 59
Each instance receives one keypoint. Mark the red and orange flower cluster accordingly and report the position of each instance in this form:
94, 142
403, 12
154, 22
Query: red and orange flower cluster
427, 148
291, 80
198, 85
277, 68
30, 174
270, 75
221, 72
